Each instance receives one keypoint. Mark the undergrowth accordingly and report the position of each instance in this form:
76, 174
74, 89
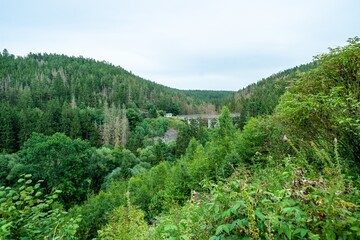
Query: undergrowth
286, 200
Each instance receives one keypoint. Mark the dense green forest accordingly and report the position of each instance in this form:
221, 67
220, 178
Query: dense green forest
214, 97
262, 97
291, 171
83, 98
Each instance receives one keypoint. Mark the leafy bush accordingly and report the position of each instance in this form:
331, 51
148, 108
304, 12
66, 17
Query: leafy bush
324, 104
61, 162
126, 223
260, 136
28, 214
95, 209
278, 202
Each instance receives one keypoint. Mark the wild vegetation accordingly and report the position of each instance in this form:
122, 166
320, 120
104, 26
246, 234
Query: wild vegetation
289, 173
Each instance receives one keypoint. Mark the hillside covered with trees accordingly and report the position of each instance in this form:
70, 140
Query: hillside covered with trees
262, 97
84, 98
290, 172
214, 97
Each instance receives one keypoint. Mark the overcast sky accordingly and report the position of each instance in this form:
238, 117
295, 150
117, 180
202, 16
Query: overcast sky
185, 44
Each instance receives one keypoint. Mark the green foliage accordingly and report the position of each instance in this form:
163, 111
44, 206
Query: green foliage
8, 128
221, 146
126, 160
192, 129
214, 97
324, 103
134, 117
187, 222
173, 108
61, 162
96, 208
126, 223
26, 213
198, 168
276, 202
29, 122
260, 136
101, 163
137, 139
7, 162
147, 190
152, 111
145, 133
51, 76
226, 128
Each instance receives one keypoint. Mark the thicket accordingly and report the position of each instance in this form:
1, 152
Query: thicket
293, 174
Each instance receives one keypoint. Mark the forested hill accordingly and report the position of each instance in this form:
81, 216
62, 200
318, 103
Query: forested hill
35, 80
262, 97
210, 96
83, 98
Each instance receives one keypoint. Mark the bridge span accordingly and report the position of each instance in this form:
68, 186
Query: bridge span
209, 117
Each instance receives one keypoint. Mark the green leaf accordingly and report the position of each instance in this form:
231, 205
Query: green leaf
225, 227
4, 227
259, 214
11, 208
228, 228
239, 222
237, 205
313, 236
280, 230
226, 213
356, 229
28, 181
21, 180
28, 198
302, 231
219, 229
38, 194
286, 230
217, 209
288, 210
170, 227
